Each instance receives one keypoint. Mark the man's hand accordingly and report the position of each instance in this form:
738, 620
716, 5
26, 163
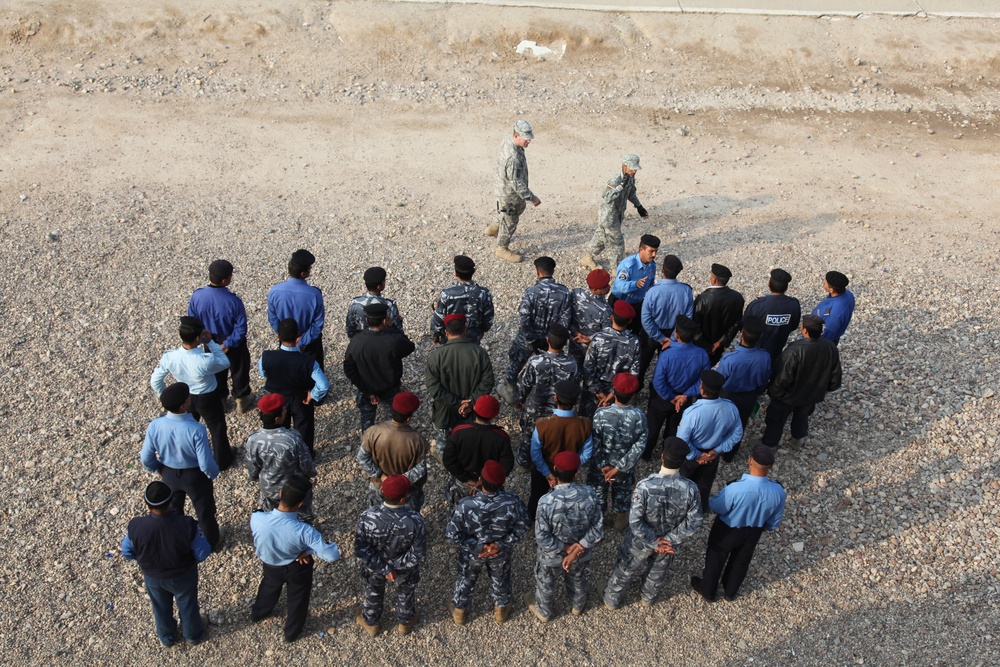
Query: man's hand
308, 399
536, 201
472, 487
465, 407
573, 552
716, 345
489, 551
551, 479
304, 558
225, 350
373, 399
610, 473
604, 400
391, 576
206, 337
664, 547
643, 213
679, 401
665, 344
641, 282
708, 457
581, 339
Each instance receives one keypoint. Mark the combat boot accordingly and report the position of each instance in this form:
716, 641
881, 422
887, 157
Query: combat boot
404, 628
244, 404
587, 262
506, 392
457, 615
372, 630
492, 229
795, 444
621, 520
507, 255
501, 614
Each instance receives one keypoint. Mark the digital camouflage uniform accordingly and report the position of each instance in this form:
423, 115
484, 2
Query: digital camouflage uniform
590, 314
545, 303
499, 518
389, 448
390, 539
614, 199
619, 438
511, 186
536, 389
568, 514
667, 506
610, 352
356, 320
466, 298
272, 456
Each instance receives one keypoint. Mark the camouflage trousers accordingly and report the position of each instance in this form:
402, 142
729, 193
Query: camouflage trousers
456, 491
588, 404
547, 577
414, 499
406, 595
508, 216
369, 411
518, 353
620, 491
530, 414
469, 569
608, 236
630, 562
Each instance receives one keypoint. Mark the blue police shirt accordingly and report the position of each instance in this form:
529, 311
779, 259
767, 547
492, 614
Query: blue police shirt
630, 271
221, 312
279, 537
836, 312
663, 303
297, 299
750, 501
678, 370
711, 423
746, 369
177, 441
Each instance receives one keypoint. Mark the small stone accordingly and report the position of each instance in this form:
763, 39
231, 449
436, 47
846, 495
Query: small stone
797, 547
53, 237
114, 511
683, 131
989, 393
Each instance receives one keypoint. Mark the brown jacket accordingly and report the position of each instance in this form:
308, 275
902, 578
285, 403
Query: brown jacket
395, 448
562, 434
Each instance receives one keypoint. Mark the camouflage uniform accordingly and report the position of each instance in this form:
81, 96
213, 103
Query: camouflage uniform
614, 199
469, 299
394, 449
590, 314
511, 186
390, 539
536, 389
484, 518
568, 514
356, 320
665, 506
619, 438
272, 456
545, 303
610, 352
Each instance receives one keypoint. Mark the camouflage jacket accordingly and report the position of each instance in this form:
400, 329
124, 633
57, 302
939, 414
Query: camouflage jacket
568, 514
272, 456
469, 299
510, 182
610, 352
536, 385
390, 539
545, 303
667, 506
356, 320
499, 518
614, 199
619, 435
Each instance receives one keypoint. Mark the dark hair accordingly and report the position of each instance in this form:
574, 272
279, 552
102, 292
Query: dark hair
777, 286
374, 321
670, 275
684, 336
288, 330
813, 331
455, 327
619, 320
270, 419
623, 398
563, 405
398, 417
301, 261
295, 490
490, 487
721, 280
217, 278
189, 331
751, 338
564, 475
556, 341
709, 393
545, 266
465, 275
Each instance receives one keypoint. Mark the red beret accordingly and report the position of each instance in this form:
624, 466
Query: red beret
626, 383
494, 473
624, 309
487, 407
271, 403
598, 279
567, 461
405, 403
395, 487
454, 316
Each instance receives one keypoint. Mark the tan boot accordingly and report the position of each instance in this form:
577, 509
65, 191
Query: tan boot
244, 404
508, 256
372, 630
621, 520
501, 614
457, 615
404, 628
493, 229
587, 262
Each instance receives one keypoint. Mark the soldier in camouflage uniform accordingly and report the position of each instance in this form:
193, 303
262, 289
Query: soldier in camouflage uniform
390, 542
275, 453
545, 303
619, 440
590, 312
511, 185
375, 284
467, 298
666, 510
568, 526
485, 527
614, 199
612, 350
394, 448
535, 391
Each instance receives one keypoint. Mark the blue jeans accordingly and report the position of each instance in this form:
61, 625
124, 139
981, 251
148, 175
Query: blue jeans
162, 593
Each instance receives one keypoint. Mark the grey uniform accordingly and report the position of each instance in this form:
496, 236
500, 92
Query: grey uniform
614, 199
486, 518
610, 352
590, 314
545, 303
667, 506
536, 389
390, 539
356, 320
469, 299
568, 514
272, 456
511, 186
619, 435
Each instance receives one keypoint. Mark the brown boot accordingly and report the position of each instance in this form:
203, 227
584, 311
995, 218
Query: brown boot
587, 262
501, 614
621, 520
506, 255
457, 615
404, 628
492, 229
372, 630
244, 404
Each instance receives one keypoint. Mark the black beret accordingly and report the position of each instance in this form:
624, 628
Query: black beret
304, 258
673, 264
837, 280
753, 325
781, 276
685, 325
763, 455
649, 240
675, 452
712, 380
567, 391
374, 276
157, 494
464, 264
720, 271
221, 269
376, 309
812, 322
173, 397
559, 330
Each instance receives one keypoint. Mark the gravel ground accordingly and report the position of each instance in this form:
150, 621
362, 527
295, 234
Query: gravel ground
142, 143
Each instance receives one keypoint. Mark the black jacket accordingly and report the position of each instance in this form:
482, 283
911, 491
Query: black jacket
717, 312
471, 445
806, 370
374, 359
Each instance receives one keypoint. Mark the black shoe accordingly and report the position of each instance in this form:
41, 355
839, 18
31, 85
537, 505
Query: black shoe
696, 585
731, 598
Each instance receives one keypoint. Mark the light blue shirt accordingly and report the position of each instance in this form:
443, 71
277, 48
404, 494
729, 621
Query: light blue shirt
321, 386
279, 537
199, 545
751, 501
195, 368
664, 302
746, 369
302, 302
536, 447
836, 312
710, 424
177, 441
630, 271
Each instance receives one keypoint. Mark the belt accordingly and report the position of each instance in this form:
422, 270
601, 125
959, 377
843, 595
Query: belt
182, 469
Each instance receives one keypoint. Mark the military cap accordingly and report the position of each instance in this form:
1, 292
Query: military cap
781, 276
753, 325
303, 258
567, 461
811, 321
625, 383
376, 309
374, 276
598, 279
494, 473
649, 240
464, 264
486, 407
673, 264
685, 325
567, 391
157, 494
173, 397
720, 271
220, 269
675, 452
631, 160
624, 309
523, 129
271, 403
559, 330
712, 380
405, 403
763, 455
395, 487
454, 316
837, 280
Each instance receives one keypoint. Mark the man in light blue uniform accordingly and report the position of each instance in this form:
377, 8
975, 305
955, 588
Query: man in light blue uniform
665, 301
837, 308
302, 302
747, 370
633, 279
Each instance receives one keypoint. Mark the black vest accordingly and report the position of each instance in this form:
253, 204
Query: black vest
162, 544
288, 373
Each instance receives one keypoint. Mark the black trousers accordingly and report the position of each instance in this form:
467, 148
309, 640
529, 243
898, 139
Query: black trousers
211, 408
315, 350
729, 553
239, 370
703, 476
191, 482
305, 420
660, 414
744, 402
539, 487
778, 413
299, 580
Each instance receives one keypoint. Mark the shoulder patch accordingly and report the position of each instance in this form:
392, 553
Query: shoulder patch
623, 274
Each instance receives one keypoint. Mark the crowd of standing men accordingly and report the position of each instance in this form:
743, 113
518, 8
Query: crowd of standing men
577, 364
